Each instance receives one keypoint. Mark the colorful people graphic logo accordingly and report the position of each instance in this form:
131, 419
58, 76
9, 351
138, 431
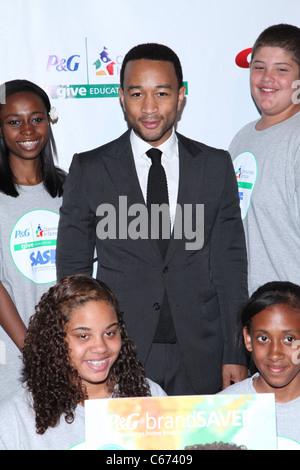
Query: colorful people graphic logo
106, 62
39, 231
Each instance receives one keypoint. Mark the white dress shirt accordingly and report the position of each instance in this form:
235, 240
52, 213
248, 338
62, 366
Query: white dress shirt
170, 162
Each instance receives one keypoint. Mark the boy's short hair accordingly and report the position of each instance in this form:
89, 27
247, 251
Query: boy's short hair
285, 36
153, 51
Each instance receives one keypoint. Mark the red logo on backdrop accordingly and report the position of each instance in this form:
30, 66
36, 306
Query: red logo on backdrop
241, 59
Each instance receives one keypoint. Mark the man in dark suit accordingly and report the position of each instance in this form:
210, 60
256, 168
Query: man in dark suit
181, 306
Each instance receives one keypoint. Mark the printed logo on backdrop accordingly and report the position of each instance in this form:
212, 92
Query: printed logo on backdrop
102, 70
104, 65
243, 58
33, 245
245, 167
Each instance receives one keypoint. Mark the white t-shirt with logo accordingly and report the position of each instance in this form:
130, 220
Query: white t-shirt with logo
28, 231
267, 166
17, 424
287, 414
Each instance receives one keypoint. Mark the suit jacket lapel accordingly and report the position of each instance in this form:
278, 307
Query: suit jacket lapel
120, 166
191, 174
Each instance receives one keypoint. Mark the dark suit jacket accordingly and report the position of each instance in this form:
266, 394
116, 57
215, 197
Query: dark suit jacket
205, 287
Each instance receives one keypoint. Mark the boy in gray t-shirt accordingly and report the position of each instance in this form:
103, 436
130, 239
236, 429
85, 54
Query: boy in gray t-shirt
266, 155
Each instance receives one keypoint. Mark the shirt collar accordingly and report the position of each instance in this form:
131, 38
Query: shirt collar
140, 147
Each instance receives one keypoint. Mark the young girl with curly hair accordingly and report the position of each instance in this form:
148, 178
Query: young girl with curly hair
76, 348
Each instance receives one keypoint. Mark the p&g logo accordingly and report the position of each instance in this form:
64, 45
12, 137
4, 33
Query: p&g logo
22, 233
63, 65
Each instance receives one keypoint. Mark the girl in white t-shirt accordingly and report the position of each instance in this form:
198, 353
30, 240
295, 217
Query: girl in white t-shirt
271, 328
76, 348
27, 152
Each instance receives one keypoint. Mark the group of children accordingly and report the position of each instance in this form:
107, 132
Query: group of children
76, 347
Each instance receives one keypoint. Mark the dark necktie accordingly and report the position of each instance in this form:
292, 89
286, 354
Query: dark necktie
157, 193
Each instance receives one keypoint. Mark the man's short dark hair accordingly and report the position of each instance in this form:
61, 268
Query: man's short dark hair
153, 51
282, 35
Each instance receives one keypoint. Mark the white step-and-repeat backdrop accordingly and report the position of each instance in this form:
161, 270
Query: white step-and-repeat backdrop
75, 48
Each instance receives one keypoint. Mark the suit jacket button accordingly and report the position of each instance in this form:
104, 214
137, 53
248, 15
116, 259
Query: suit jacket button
166, 269
156, 306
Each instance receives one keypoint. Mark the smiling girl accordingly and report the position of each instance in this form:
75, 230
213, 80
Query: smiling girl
271, 326
76, 348
30, 198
